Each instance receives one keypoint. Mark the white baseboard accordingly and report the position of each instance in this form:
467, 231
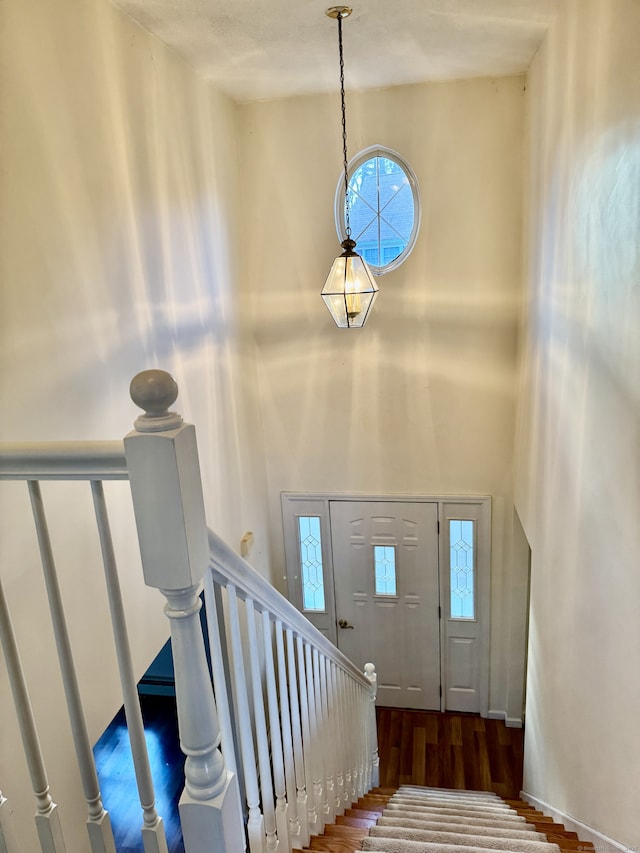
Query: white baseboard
510, 722
602, 843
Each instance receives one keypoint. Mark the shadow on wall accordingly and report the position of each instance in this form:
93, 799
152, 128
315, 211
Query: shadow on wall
119, 220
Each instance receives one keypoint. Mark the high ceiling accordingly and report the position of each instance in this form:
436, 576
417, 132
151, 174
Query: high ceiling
260, 49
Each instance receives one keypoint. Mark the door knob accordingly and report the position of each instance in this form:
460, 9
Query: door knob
344, 624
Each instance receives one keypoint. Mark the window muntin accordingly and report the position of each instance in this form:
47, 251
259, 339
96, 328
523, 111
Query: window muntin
384, 208
310, 542
462, 568
384, 561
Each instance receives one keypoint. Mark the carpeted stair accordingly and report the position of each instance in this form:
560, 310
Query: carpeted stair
437, 820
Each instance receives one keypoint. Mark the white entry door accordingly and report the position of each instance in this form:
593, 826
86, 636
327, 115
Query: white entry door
374, 575
385, 566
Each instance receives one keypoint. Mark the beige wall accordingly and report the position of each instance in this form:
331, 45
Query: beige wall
117, 252
421, 401
578, 485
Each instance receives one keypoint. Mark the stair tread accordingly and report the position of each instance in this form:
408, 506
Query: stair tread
340, 830
345, 820
347, 833
370, 813
333, 845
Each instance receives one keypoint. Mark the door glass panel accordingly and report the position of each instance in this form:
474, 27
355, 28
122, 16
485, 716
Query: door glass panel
461, 565
311, 562
384, 558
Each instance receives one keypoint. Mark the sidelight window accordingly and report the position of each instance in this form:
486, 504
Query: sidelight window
461, 568
310, 544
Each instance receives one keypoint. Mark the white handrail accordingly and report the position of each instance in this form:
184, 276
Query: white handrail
229, 568
63, 460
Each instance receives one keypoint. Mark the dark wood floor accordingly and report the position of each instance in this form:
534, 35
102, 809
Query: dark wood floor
117, 778
449, 751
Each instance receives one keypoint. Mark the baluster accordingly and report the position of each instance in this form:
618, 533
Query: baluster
302, 800
372, 678
310, 744
362, 718
353, 727
164, 475
266, 784
221, 695
7, 838
47, 817
255, 826
336, 728
98, 821
314, 729
326, 737
277, 754
153, 834
365, 739
347, 742
287, 741
348, 775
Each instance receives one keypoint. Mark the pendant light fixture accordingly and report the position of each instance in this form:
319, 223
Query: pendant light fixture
350, 290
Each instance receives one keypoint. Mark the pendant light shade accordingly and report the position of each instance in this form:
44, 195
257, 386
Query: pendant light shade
350, 289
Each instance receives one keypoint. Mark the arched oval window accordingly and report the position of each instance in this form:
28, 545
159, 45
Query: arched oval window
384, 208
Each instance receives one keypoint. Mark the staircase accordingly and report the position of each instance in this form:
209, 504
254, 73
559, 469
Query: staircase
278, 727
414, 819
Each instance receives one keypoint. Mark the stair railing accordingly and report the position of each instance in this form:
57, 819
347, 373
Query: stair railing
292, 724
322, 762
282, 722
93, 463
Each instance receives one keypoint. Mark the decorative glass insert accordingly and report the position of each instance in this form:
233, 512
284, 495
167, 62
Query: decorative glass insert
384, 208
461, 564
384, 558
311, 562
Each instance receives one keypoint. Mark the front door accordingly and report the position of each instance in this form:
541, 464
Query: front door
385, 562
374, 575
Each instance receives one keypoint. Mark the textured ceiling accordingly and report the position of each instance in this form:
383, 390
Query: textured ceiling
259, 49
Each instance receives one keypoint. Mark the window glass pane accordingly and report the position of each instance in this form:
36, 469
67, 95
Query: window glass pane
384, 558
461, 564
391, 178
368, 244
390, 253
384, 210
311, 563
398, 214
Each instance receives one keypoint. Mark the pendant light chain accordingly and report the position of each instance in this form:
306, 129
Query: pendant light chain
350, 289
344, 132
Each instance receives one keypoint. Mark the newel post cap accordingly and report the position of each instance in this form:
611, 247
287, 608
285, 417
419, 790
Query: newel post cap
166, 486
154, 391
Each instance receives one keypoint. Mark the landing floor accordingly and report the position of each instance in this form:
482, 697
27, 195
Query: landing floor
449, 751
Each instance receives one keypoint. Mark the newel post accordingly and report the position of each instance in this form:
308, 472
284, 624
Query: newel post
372, 677
164, 473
